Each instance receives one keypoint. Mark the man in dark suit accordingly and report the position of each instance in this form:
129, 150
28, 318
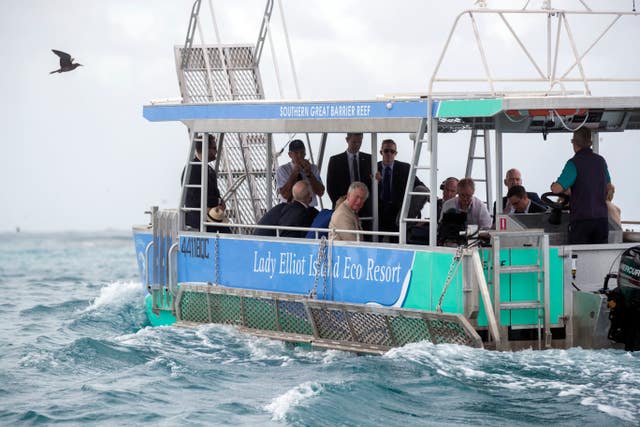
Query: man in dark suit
392, 177
511, 179
271, 217
521, 203
348, 167
297, 213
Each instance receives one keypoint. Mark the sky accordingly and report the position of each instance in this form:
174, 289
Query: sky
76, 153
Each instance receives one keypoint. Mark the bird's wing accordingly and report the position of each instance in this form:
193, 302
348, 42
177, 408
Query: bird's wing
65, 58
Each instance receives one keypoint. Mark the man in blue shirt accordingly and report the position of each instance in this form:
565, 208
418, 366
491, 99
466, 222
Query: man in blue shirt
587, 175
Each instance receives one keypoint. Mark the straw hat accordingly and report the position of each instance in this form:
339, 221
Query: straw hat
217, 215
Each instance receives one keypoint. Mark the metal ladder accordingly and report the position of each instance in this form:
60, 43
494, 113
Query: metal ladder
420, 140
520, 239
204, 172
485, 157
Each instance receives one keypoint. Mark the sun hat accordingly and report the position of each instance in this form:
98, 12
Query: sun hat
217, 215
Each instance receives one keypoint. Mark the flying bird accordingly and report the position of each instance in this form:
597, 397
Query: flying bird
66, 62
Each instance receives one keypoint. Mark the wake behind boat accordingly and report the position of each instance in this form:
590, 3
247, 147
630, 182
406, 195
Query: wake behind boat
519, 284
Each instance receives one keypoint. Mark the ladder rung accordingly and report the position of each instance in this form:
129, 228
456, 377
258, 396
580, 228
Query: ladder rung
195, 163
511, 269
190, 209
424, 168
193, 186
478, 158
520, 305
419, 193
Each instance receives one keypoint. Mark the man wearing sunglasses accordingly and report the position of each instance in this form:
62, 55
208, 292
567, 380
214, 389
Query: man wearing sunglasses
392, 177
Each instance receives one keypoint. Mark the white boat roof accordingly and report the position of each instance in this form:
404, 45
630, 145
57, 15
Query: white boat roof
515, 114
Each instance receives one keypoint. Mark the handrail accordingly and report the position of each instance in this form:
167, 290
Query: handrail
279, 228
146, 262
486, 299
169, 269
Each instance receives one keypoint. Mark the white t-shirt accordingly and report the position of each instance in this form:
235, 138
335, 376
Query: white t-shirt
284, 172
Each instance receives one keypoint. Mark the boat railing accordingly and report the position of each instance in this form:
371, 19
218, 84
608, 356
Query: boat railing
552, 72
280, 228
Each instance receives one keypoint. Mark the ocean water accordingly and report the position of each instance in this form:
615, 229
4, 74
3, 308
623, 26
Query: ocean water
76, 349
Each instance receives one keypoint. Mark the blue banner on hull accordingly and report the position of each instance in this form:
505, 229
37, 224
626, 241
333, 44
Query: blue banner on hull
357, 274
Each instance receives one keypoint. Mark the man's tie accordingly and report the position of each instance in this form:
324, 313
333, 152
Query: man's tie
356, 175
386, 185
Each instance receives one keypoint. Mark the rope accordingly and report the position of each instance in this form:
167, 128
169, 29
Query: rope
453, 269
320, 265
275, 61
586, 116
216, 255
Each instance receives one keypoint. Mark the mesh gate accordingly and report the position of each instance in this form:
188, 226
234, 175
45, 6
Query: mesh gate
296, 318
229, 73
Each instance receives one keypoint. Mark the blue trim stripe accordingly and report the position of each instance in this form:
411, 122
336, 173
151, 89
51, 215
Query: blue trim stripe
289, 111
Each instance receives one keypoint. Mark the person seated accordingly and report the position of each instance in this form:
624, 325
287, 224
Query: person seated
465, 201
322, 221
298, 169
270, 218
512, 178
294, 214
345, 217
449, 189
298, 213
518, 200
614, 211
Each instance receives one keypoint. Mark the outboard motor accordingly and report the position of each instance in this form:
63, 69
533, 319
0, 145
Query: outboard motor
624, 301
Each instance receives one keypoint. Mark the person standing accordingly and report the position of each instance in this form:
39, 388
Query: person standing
298, 169
348, 167
392, 177
192, 200
449, 189
587, 176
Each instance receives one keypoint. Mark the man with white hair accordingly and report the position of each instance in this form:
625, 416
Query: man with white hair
345, 217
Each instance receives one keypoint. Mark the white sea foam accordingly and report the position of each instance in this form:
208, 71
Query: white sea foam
617, 412
116, 293
280, 405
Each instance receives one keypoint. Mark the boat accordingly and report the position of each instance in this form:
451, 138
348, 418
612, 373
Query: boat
520, 285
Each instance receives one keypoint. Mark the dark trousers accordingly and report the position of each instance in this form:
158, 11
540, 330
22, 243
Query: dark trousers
387, 220
589, 231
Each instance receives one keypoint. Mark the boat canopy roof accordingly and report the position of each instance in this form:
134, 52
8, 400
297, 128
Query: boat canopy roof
528, 114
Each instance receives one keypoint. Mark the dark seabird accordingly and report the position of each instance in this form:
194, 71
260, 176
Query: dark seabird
66, 62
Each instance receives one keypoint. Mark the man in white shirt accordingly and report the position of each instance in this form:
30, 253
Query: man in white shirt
465, 201
298, 169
